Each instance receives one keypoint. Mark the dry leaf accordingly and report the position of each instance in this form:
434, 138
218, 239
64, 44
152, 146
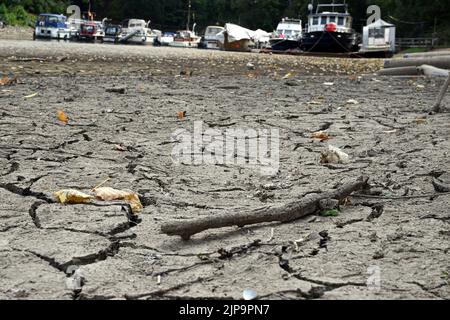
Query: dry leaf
62, 117
110, 194
181, 115
322, 135
120, 147
6, 81
421, 120
287, 76
70, 196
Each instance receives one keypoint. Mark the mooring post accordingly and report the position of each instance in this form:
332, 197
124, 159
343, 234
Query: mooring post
437, 106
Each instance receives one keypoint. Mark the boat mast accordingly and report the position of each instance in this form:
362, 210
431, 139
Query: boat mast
189, 16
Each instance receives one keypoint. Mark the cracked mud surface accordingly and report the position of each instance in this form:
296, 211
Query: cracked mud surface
407, 240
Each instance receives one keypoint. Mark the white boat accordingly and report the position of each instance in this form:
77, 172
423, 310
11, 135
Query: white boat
211, 40
185, 39
138, 31
167, 38
52, 26
288, 35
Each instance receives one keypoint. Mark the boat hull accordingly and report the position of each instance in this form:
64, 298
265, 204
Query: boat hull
324, 41
284, 44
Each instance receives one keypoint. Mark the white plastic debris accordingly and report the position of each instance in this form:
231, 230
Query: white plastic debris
329, 84
249, 294
352, 101
334, 155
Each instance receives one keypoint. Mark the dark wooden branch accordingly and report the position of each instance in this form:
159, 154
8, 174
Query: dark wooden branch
283, 213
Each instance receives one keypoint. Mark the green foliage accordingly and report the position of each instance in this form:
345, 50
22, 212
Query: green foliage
330, 213
418, 18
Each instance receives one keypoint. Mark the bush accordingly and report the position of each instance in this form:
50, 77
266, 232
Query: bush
16, 15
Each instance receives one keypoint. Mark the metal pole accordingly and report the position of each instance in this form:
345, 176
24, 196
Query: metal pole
189, 16
437, 106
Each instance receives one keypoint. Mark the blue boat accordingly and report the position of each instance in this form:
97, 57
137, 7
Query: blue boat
52, 26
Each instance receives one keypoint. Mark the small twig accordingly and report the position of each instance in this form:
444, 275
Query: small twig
429, 195
100, 184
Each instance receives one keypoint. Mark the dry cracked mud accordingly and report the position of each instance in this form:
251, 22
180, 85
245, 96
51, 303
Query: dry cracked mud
397, 241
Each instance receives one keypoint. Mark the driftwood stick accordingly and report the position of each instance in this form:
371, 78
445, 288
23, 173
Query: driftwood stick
283, 213
437, 106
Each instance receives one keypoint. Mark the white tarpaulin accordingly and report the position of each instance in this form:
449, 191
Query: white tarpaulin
236, 33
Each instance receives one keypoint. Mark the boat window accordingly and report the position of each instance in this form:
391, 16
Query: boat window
341, 21
376, 33
323, 20
332, 19
315, 21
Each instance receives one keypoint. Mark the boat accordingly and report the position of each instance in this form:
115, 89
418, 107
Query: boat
210, 40
91, 31
52, 26
113, 33
167, 38
138, 31
185, 39
288, 35
329, 29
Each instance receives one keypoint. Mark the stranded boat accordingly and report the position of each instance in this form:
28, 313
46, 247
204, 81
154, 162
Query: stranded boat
185, 39
138, 31
91, 31
287, 36
52, 26
330, 30
211, 40
113, 33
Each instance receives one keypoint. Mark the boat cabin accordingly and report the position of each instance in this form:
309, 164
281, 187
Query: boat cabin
336, 20
379, 37
289, 28
52, 26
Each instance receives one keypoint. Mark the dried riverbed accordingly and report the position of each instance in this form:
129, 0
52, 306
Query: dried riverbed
397, 241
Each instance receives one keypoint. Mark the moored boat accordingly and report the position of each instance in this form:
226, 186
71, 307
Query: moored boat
330, 29
287, 36
52, 26
211, 40
138, 31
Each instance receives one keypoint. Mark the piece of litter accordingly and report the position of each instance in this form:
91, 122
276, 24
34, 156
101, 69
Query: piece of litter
31, 96
352, 101
334, 155
328, 84
249, 294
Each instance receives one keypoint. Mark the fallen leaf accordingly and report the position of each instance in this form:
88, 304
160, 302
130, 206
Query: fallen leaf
120, 147
421, 120
287, 76
181, 115
70, 196
110, 194
62, 117
321, 135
